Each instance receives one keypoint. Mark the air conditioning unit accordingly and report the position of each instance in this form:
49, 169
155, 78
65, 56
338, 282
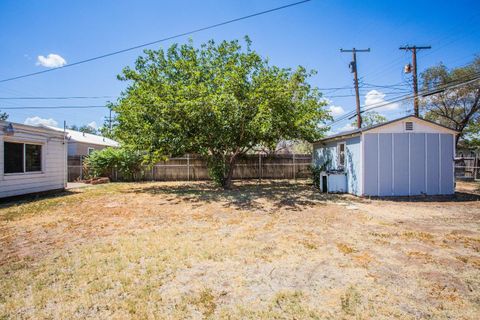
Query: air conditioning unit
333, 181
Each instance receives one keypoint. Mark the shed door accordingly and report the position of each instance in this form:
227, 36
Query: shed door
402, 164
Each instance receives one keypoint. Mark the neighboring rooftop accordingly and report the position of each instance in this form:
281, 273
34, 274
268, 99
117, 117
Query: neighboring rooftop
89, 138
29, 128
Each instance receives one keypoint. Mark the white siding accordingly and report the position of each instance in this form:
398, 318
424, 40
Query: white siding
51, 177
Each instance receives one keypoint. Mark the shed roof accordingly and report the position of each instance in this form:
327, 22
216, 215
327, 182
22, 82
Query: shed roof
358, 131
89, 138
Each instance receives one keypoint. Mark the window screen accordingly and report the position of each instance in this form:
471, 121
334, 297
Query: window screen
13, 157
33, 157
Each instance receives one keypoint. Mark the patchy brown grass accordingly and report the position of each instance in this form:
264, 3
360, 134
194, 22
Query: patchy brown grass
260, 251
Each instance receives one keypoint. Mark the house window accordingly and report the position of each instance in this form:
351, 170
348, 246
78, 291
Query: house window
33, 157
90, 150
409, 126
341, 154
22, 157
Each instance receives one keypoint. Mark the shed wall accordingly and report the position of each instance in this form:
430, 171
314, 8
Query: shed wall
402, 164
353, 165
327, 154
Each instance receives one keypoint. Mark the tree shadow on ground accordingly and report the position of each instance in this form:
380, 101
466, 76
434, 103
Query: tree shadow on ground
245, 195
457, 197
32, 198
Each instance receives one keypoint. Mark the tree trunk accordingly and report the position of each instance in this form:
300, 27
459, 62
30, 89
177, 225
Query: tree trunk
227, 181
457, 138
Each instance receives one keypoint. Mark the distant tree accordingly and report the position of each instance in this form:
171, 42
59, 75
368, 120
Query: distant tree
84, 128
219, 100
3, 116
457, 108
370, 118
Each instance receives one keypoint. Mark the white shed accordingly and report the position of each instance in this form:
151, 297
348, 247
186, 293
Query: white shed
404, 157
32, 159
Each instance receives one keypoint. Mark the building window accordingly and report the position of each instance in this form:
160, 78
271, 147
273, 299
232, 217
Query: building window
90, 150
22, 157
341, 155
33, 157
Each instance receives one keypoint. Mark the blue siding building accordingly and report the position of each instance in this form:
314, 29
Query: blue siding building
404, 157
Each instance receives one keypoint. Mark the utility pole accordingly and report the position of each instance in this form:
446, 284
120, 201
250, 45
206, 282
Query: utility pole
414, 50
110, 120
353, 68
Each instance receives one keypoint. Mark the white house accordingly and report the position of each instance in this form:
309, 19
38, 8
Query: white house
32, 159
404, 157
82, 144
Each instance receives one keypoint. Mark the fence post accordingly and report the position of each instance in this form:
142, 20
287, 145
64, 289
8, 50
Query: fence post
294, 168
81, 168
188, 166
475, 166
259, 167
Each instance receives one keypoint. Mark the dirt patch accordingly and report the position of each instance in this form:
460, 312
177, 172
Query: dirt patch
269, 250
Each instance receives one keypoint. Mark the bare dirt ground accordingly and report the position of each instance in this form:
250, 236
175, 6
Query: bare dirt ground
271, 250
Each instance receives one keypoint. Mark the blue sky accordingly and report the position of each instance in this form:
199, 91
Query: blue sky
310, 34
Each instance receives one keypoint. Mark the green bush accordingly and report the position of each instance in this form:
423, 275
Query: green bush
102, 163
316, 171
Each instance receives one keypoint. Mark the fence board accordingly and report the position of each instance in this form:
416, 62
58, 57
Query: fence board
194, 167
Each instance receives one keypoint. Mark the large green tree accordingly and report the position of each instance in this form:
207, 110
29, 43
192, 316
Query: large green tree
219, 100
457, 108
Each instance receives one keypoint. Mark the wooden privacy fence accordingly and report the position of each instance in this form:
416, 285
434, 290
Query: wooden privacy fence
193, 167
467, 168
75, 170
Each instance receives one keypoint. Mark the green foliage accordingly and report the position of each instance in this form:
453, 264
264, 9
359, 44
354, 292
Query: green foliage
84, 128
457, 108
370, 118
102, 163
3, 116
219, 101
316, 170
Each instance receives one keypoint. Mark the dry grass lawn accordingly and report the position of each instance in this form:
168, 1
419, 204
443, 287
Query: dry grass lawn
260, 251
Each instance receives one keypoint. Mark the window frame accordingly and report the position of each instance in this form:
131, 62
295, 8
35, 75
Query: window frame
339, 155
24, 163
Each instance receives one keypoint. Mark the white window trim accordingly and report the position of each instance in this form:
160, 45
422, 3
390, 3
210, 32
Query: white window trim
24, 173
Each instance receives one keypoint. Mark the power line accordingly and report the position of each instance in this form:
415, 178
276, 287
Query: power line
52, 107
56, 98
399, 85
427, 92
157, 41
